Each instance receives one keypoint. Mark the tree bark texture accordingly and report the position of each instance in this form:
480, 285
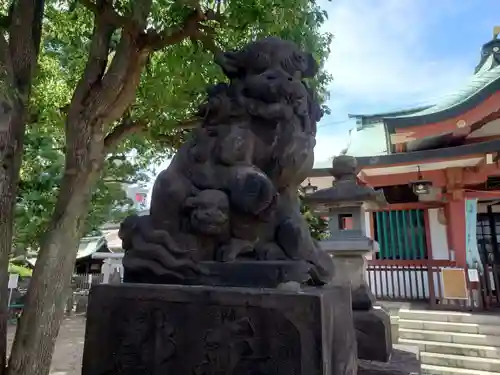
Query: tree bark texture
11, 145
45, 301
101, 97
18, 56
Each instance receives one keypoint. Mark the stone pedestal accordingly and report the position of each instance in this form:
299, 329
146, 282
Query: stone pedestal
350, 266
349, 258
373, 325
246, 274
373, 332
404, 361
137, 329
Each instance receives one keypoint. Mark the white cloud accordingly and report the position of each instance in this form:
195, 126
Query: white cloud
382, 59
380, 52
328, 145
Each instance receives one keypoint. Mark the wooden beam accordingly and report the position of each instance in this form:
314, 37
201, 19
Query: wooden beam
402, 137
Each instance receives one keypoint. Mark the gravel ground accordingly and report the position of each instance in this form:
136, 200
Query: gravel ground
67, 358
69, 348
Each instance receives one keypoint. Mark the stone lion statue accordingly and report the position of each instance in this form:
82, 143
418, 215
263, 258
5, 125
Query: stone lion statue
230, 192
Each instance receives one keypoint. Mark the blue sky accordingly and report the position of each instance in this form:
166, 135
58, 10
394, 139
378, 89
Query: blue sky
390, 54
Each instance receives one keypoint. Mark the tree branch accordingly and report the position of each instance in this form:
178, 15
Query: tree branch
119, 84
98, 53
118, 181
117, 87
119, 157
174, 139
24, 41
189, 124
6, 69
170, 36
120, 131
191, 28
208, 41
104, 10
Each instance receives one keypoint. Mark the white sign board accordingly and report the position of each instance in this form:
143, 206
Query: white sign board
13, 280
473, 275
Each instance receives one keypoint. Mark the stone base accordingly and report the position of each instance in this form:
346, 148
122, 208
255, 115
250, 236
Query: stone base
352, 268
240, 273
403, 362
362, 298
373, 331
138, 329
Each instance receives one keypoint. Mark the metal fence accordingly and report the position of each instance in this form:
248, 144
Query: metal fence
422, 282
405, 282
489, 287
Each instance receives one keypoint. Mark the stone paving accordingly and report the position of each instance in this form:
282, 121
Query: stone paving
67, 358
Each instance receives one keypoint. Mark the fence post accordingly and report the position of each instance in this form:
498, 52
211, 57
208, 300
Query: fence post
432, 291
483, 288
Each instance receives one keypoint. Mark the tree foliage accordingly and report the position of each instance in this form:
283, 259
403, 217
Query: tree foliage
118, 80
171, 87
43, 166
175, 76
318, 226
39, 184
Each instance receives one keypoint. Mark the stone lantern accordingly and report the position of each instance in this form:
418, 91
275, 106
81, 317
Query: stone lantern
348, 245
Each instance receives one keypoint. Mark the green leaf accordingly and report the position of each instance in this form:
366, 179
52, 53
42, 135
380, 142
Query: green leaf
318, 226
171, 88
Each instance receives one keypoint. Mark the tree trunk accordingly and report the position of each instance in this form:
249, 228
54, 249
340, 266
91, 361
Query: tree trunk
44, 306
101, 97
18, 56
12, 127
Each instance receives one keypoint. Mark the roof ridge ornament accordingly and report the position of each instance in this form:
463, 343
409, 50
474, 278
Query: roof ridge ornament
491, 48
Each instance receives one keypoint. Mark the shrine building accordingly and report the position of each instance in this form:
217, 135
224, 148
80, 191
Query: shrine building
433, 163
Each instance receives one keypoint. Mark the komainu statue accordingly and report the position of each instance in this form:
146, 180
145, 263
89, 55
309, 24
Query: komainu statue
228, 200
232, 282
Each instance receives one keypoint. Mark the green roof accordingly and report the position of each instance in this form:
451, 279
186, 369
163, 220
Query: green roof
88, 246
487, 74
395, 113
484, 82
370, 136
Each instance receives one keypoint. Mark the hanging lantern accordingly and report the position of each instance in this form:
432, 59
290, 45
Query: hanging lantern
421, 186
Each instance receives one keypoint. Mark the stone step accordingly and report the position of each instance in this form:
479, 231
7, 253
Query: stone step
449, 316
449, 337
443, 370
484, 329
460, 361
453, 348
